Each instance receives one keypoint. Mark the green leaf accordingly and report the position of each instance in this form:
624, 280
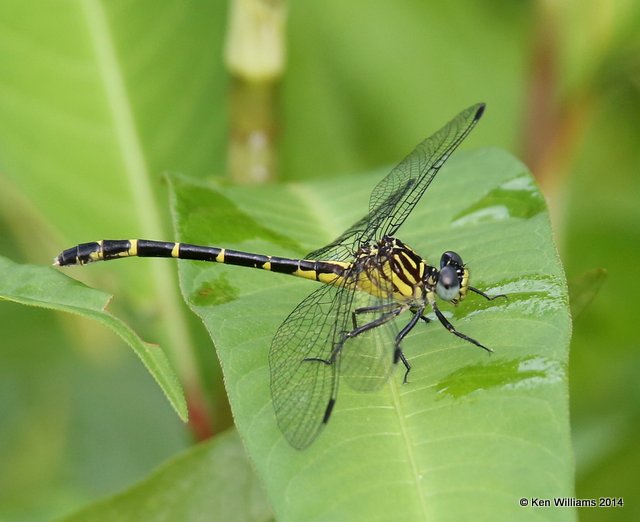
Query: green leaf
47, 288
210, 481
471, 433
85, 146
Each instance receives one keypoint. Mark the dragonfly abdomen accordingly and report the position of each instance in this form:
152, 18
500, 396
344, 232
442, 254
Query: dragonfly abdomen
108, 249
329, 272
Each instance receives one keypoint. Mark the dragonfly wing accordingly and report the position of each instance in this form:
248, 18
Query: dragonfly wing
344, 247
312, 342
368, 352
302, 386
367, 359
395, 196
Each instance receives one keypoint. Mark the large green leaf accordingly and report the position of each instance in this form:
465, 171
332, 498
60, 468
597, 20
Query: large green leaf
91, 118
470, 434
45, 287
211, 481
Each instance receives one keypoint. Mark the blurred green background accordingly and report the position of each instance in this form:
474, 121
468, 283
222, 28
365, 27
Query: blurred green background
99, 99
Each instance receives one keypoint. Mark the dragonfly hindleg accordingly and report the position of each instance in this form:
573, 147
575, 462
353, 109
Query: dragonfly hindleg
398, 355
387, 307
387, 316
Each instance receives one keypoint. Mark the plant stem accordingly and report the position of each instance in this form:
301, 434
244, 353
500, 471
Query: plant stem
255, 56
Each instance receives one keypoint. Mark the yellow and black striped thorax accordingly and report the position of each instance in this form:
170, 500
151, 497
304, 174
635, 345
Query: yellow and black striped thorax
391, 269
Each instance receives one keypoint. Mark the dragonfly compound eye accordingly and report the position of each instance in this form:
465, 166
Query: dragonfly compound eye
448, 286
450, 258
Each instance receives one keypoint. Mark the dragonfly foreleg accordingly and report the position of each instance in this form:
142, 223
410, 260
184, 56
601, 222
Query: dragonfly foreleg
445, 322
486, 296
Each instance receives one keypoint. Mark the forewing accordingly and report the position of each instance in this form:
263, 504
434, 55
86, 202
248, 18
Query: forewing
394, 197
302, 389
344, 247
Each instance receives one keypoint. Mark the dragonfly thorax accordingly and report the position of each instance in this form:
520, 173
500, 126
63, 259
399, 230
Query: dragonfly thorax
390, 268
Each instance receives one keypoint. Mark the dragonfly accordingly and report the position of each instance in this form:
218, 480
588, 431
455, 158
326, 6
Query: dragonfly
350, 327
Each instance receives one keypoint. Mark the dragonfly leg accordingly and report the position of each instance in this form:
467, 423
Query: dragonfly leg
420, 311
371, 309
399, 355
328, 362
486, 296
445, 322
385, 317
357, 330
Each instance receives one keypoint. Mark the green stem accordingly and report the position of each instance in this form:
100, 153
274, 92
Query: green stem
255, 56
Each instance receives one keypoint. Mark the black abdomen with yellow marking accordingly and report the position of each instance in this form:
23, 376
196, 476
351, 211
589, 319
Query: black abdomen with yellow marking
324, 271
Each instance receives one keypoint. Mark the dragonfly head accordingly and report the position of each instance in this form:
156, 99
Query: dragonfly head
453, 278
